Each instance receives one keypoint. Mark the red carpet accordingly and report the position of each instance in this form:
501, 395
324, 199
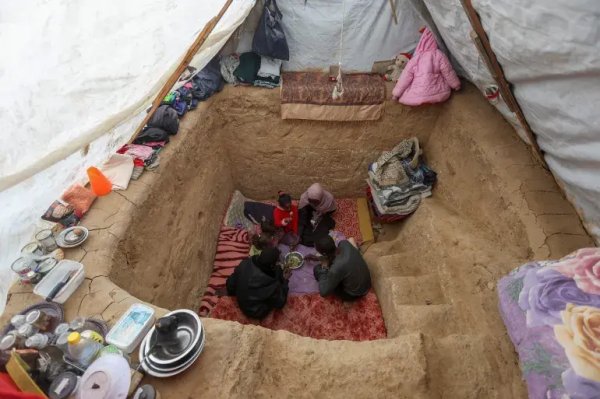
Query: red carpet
316, 317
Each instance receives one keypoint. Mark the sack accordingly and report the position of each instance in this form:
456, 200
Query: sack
269, 38
150, 135
165, 118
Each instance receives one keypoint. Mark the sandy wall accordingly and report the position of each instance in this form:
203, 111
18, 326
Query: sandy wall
269, 154
166, 257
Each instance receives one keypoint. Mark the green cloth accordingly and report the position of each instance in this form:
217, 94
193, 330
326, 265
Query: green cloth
248, 68
255, 251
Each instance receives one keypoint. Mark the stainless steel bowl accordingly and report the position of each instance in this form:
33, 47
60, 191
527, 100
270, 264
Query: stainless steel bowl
298, 256
189, 332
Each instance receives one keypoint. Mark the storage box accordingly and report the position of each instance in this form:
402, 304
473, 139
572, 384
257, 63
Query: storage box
131, 328
63, 268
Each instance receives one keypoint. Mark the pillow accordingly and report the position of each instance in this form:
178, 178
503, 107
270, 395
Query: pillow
57, 211
234, 217
79, 197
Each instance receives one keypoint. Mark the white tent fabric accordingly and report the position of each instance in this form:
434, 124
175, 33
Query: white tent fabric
313, 28
550, 52
74, 73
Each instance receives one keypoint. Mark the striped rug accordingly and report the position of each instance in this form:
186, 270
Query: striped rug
232, 248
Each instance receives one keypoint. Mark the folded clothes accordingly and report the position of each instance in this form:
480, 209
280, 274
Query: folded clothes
267, 82
142, 152
407, 208
228, 66
269, 68
118, 169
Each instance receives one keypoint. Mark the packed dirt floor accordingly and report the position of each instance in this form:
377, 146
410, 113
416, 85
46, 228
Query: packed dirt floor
435, 274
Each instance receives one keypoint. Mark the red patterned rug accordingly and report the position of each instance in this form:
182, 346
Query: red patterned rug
316, 317
346, 218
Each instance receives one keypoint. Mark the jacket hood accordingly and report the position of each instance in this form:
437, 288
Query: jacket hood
427, 42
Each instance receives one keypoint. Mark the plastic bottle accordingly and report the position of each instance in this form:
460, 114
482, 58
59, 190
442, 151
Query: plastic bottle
82, 350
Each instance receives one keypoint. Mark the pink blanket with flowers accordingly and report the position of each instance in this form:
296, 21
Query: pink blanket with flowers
551, 310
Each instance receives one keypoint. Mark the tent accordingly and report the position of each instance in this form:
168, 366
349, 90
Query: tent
82, 75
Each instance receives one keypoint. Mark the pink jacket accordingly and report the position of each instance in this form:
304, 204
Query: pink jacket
428, 77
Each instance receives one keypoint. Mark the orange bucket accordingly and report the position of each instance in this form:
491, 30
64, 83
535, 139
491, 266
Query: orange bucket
100, 184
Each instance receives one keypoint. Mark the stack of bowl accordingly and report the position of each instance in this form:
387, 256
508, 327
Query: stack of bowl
167, 361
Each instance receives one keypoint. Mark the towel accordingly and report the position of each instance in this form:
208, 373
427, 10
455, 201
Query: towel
269, 68
118, 170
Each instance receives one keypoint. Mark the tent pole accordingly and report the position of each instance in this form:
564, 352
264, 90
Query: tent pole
483, 46
194, 48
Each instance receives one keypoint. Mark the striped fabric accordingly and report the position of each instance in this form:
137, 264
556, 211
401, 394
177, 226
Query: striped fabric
233, 247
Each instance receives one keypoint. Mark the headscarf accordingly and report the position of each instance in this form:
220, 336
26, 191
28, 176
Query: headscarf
317, 192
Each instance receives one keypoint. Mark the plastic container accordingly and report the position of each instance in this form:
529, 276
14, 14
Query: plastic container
100, 183
82, 350
37, 341
63, 268
131, 328
64, 386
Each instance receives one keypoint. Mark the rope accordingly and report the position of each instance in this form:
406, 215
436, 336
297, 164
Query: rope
338, 89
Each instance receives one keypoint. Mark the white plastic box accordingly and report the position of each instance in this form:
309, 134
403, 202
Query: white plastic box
131, 328
63, 268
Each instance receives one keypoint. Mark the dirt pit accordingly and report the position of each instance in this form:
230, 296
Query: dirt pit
434, 274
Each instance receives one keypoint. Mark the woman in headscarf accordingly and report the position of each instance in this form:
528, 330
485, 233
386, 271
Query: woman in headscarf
319, 199
314, 215
259, 284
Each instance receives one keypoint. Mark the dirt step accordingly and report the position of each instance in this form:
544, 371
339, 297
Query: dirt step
410, 263
411, 290
434, 320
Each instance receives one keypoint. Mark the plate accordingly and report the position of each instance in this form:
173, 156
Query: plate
159, 374
297, 254
61, 239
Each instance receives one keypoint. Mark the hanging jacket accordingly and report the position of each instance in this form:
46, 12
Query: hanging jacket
257, 291
165, 118
428, 77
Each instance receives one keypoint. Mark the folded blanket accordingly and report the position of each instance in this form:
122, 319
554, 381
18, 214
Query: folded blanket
118, 169
407, 208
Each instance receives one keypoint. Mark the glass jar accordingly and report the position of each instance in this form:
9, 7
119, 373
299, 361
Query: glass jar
46, 239
18, 320
39, 319
37, 341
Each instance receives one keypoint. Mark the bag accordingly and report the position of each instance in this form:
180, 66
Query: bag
150, 135
269, 38
165, 118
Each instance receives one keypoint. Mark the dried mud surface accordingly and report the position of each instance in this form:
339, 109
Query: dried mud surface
435, 274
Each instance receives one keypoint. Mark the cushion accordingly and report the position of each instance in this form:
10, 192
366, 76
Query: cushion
234, 217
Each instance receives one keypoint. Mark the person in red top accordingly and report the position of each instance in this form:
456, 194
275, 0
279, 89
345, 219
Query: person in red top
286, 214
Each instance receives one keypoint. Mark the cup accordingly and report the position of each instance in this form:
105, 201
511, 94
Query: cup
46, 239
37, 341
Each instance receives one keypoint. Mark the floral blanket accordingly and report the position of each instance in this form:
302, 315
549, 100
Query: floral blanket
551, 310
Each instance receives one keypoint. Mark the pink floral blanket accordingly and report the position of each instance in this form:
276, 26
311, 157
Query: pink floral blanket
551, 310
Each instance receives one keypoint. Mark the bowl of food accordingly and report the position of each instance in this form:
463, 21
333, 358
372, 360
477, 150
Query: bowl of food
293, 260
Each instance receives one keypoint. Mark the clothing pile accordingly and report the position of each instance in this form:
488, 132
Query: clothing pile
251, 69
398, 180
